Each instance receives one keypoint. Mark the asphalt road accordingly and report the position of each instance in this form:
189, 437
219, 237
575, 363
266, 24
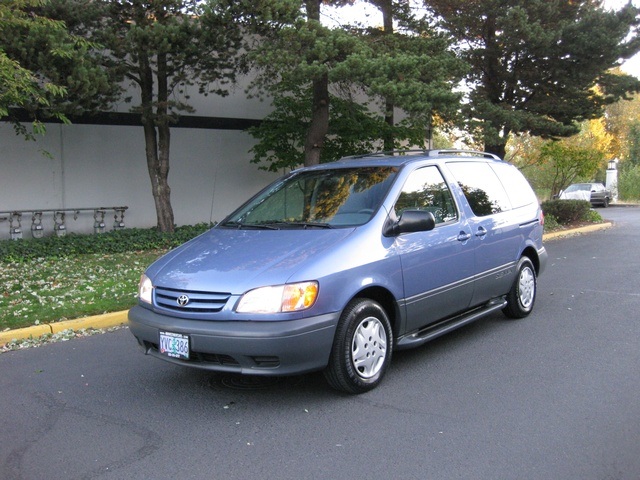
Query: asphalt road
553, 396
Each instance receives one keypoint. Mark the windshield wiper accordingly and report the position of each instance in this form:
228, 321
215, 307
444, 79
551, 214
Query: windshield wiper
306, 225
255, 226
276, 225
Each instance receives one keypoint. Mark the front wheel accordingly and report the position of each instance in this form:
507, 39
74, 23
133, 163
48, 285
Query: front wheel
361, 349
522, 295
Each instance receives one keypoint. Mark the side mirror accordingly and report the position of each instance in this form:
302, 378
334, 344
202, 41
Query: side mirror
410, 221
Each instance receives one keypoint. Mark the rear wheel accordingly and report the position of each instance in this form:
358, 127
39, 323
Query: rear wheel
522, 295
361, 349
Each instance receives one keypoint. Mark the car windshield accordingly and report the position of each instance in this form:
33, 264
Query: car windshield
317, 199
576, 187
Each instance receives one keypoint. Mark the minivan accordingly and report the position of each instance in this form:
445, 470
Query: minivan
335, 267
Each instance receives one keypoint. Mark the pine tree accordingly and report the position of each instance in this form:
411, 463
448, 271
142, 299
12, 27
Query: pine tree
535, 63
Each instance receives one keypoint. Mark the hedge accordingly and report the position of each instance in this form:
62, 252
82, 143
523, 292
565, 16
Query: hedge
122, 241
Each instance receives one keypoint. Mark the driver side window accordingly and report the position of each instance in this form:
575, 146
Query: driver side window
426, 190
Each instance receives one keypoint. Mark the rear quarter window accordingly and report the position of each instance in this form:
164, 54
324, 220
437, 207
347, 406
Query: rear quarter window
517, 187
481, 187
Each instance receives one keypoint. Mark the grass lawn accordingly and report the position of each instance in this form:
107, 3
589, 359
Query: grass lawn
48, 290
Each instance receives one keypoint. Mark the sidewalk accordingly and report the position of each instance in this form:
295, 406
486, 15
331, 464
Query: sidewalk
114, 319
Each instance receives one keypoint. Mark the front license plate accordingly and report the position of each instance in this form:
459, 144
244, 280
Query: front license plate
174, 345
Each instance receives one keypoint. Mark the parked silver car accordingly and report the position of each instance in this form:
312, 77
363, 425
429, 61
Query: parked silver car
596, 193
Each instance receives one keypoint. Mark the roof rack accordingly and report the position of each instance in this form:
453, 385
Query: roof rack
386, 153
434, 153
431, 153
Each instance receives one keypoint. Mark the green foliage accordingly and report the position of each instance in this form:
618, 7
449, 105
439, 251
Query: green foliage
593, 217
45, 69
568, 163
567, 211
535, 63
128, 240
352, 130
629, 183
551, 223
633, 138
368, 72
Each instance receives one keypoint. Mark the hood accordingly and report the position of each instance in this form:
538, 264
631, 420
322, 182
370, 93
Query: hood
235, 261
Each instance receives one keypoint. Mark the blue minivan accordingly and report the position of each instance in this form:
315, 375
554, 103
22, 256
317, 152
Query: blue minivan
333, 267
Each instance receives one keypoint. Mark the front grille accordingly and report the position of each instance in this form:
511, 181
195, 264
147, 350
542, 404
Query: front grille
190, 301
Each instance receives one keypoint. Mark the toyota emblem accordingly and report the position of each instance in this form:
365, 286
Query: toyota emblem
182, 300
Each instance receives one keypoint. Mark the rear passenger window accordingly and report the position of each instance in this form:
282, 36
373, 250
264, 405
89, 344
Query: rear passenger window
517, 187
425, 189
481, 187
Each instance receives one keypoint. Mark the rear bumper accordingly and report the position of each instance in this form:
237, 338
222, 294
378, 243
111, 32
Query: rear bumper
257, 348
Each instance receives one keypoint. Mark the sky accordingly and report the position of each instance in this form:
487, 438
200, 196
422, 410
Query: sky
631, 66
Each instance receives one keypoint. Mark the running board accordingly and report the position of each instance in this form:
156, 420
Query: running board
434, 331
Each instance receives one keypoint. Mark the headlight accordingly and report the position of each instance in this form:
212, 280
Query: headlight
281, 298
145, 289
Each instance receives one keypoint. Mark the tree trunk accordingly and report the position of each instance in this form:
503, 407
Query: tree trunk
158, 167
387, 22
499, 149
157, 143
319, 126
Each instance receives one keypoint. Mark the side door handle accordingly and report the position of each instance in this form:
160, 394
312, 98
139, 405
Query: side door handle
463, 236
481, 232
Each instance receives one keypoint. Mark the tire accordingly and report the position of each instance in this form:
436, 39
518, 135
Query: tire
522, 295
362, 347
605, 204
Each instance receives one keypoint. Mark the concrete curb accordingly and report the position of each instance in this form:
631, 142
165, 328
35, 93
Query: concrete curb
106, 320
114, 319
575, 231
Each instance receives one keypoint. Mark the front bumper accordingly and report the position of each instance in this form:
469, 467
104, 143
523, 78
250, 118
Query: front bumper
257, 348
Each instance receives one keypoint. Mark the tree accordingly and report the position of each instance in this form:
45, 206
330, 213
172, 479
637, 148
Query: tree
633, 138
622, 122
535, 63
160, 47
569, 163
296, 61
46, 71
411, 67
335, 90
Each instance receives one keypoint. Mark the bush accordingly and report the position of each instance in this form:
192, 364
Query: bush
568, 211
550, 222
629, 184
122, 241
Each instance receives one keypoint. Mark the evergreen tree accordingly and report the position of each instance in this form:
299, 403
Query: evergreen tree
535, 63
46, 70
335, 91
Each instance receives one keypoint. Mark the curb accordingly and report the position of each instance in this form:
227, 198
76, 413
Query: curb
106, 320
575, 231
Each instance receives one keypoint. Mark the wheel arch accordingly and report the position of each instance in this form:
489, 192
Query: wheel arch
531, 253
387, 301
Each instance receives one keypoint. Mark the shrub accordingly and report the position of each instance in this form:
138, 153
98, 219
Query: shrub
550, 222
122, 241
567, 211
629, 184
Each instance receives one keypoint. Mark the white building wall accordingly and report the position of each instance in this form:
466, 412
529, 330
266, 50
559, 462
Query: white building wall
103, 165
